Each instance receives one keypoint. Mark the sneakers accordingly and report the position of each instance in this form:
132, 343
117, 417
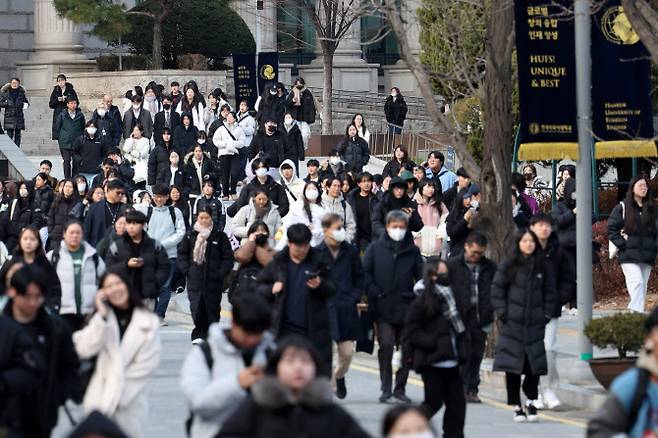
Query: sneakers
550, 399
539, 403
341, 389
573, 311
180, 290
532, 413
163, 323
197, 341
401, 398
472, 397
386, 397
519, 415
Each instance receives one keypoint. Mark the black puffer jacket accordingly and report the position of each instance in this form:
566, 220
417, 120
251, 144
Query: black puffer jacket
457, 229
159, 160
208, 277
460, 283
564, 217
395, 110
393, 167
558, 267
275, 191
354, 152
184, 139
208, 172
272, 145
53, 293
293, 145
390, 203
43, 198
271, 412
89, 153
524, 298
217, 207
148, 279
392, 269
20, 214
13, 105
61, 211
57, 105
317, 314
641, 245
304, 112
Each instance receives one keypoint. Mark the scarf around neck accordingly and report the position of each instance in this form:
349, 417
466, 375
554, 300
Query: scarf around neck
199, 251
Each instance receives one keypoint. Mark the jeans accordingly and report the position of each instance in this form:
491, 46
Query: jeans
550, 345
470, 371
530, 385
637, 280
393, 129
443, 385
165, 292
89, 177
388, 336
15, 135
67, 157
230, 166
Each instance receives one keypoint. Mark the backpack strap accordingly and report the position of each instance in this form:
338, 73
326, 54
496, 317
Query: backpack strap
54, 259
344, 204
207, 354
285, 186
149, 213
229, 132
639, 396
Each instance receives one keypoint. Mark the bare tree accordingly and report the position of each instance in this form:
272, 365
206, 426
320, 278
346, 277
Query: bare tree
494, 175
643, 15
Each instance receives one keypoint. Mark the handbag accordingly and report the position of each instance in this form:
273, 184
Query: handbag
612, 248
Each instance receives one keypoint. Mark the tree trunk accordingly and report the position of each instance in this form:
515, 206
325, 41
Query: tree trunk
495, 221
327, 98
644, 19
157, 43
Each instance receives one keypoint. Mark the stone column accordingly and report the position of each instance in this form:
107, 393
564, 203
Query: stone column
56, 39
268, 26
398, 74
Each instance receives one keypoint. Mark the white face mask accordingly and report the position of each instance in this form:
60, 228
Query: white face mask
288, 120
82, 187
334, 160
475, 204
23, 193
394, 95
312, 195
150, 98
201, 141
426, 434
261, 172
396, 234
101, 112
339, 235
273, 93
136, 107
91, 130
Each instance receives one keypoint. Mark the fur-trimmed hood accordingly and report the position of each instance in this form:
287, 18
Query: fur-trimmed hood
272, 394
5, 88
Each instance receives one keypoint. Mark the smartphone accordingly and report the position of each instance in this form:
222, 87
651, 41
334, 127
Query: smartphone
312, 274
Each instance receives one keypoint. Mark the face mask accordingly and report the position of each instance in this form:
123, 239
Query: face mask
288, 121
339, 235
475, 204
528, 176
261, 172
300, 87
23, 193
261, 239
91, 130
334, 160
312, 195
396, 234
443, 279
273, 92
271, 128
201, 141
136, 107
101, 112
426, 434
166, 106
82, 187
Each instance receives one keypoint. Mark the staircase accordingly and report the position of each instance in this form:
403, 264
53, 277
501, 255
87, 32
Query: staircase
36, 139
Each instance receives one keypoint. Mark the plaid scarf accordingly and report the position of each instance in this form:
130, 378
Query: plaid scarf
449, 308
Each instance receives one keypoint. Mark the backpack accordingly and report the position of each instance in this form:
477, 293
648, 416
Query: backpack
207, 355
172, 214
243, 281
54, 259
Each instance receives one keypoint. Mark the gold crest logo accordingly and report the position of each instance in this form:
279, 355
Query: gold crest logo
534, 128
267, 72
617, 28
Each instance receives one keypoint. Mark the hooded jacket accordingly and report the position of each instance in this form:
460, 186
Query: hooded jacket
293, 146
390, 203
275, 192
295, 187
247, 216
14, 116
272, 145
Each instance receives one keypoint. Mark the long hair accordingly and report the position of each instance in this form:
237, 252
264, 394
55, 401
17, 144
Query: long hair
363, 123
518, 260
39, 254
430, 300
307, 203
458, 206
75, 196
134, 298
438, 195
634, 222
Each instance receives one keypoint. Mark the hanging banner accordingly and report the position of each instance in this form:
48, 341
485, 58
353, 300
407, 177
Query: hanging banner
268, 69
547, 80
244, 76
621, 87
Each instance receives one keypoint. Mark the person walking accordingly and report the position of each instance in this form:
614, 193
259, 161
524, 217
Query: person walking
361, 128
296, 282
435, 169
260, 208
395, 110
399, 162
115, 116
137, 115
218, 375
463, 183
293, 146
395, 199
136, 150
471, 276
70, 125
346, 274
524, 298
61, 92
433, 212
168, 118
106, 125
334, 202
14, 101
185, 134
392, 266
263, 180
101, 216
291, 183
199, 169
459, 220
88, 151
160, 156
252, 256
632, 229
536, 186
433, 341
303, 107
193, 105
268, 140
205, 257
363, 203
229, 139
354, 150
292, 400
123, 337
307, 211
208, 200
67, 206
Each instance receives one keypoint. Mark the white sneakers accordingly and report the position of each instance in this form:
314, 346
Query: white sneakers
197, 341
550, 400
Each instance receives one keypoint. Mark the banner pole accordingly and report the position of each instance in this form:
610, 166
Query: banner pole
582, 9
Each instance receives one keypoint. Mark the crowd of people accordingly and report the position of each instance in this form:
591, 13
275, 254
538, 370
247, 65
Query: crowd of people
330, 263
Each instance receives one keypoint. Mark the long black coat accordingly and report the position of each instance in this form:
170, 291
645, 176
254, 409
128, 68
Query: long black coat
275, 191
354, 152
20, 370
457, 229
390, 203
159, 123
184, 139
395, 110
208, 172
148, 279
460, 283
304, 112
57, 105
60, 379
317, 314
61, 211
209, 277
392, 269
269, 412
524, 298
14, 116
159, 160
293, 145
89, 152
43, 198
558, 265
272, 145
20, 214
346, 274
640, 246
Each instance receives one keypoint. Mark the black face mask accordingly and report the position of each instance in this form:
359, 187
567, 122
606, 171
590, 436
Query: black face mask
166, 106
443, 279
528, 176
271, 128
261, 239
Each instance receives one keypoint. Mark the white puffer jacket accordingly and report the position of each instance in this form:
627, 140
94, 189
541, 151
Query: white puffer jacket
226, 145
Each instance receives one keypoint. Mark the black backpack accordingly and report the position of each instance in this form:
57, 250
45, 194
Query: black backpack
244, 281
207, 355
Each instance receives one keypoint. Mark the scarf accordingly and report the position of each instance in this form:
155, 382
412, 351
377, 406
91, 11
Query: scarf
199, 252
449, 308
261, 212
297, 96
197, 167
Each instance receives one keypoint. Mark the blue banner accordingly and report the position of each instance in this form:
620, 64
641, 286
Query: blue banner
244, 76
268, 69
